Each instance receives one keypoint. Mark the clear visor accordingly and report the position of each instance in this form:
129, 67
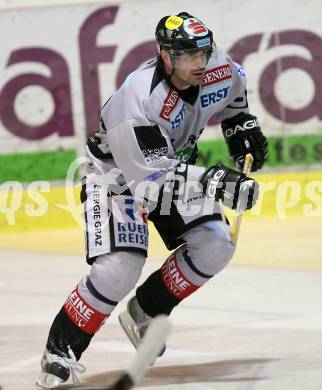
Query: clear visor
191, 58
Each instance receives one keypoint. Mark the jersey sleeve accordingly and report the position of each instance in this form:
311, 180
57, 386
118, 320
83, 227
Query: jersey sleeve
239, 103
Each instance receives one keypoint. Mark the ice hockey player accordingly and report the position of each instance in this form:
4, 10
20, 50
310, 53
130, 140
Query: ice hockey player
148, 136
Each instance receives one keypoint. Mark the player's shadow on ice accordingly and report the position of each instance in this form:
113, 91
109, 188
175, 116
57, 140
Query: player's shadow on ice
242, 370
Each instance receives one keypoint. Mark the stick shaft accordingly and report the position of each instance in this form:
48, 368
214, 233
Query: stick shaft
150, 347
235, 226
147, 352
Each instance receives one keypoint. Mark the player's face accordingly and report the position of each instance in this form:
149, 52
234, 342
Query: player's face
190, 68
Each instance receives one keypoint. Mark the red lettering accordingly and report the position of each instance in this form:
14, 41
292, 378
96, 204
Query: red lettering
174, 280
82, 314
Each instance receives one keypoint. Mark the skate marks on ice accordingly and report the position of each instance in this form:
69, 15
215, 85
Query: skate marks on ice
246, 370
232, 358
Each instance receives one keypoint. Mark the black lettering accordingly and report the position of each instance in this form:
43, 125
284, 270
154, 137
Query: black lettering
122, 237
298, 152
121, 227
140, 228
279, 146
317, 151
131, 226
132, 238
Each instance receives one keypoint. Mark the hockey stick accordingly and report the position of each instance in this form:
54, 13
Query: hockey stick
147, 351
235, 226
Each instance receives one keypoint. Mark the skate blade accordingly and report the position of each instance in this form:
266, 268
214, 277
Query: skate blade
83, 387
128, 325
48, 381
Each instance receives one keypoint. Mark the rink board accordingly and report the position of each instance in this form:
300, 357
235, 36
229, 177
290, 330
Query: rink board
282, 230
43, 206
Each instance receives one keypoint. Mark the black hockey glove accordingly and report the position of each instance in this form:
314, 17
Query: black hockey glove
243, 135
233, 188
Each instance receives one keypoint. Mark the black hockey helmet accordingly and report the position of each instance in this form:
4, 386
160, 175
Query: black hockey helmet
182, 32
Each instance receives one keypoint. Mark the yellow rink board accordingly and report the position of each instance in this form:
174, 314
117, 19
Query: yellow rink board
284, 229
293, 243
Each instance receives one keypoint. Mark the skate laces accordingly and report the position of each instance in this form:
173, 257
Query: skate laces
74, 365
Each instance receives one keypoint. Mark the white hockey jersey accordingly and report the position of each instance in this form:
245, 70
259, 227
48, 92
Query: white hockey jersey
148, 127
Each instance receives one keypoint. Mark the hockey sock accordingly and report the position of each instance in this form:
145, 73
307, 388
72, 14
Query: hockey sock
74, 326
164, 289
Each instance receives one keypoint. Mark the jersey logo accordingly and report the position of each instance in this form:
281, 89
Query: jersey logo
177, 117
82, 314
130, 211
195, 27
184, 154
153, 145
240, 70
169, 105
214, 97
174, 280
216, 75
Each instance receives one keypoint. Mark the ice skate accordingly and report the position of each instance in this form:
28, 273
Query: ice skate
57, 369
135, 323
